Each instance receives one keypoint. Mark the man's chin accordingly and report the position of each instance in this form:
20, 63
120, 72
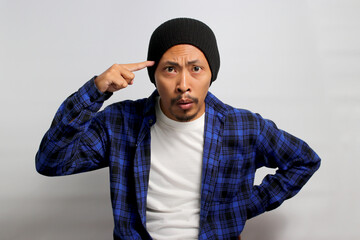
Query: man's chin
186, 116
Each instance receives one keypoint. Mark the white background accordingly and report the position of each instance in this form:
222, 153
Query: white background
295, 62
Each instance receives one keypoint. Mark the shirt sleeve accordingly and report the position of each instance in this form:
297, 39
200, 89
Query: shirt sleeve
76, 141
295, 161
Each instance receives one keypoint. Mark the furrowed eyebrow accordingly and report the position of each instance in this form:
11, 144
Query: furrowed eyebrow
171, 63
193, 62
177, 64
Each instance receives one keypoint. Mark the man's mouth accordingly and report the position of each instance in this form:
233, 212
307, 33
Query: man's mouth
185, 104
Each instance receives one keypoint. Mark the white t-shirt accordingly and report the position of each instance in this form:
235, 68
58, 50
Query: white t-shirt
173, 201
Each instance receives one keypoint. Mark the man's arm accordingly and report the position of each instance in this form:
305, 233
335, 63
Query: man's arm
295, 161
76, 140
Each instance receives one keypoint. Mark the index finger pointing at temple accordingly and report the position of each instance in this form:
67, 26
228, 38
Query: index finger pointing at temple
138, 66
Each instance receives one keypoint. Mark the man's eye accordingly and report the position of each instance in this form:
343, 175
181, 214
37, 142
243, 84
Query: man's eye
196, 68
170, 69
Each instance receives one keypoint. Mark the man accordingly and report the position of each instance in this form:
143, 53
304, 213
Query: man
182, 163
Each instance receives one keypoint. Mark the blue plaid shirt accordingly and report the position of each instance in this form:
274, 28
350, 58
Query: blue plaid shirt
236, 143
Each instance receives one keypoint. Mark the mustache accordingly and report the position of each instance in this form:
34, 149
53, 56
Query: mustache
178, 98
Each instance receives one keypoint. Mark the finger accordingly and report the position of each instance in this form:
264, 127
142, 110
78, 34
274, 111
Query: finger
138, 66
127, 75
118, 84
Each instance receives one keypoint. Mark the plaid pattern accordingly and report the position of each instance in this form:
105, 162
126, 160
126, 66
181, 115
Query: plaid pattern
237, 142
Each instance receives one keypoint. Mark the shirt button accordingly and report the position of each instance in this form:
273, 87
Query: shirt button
151, 121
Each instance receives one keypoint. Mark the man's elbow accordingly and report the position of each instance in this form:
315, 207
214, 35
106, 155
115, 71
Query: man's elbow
316, 162
43, 168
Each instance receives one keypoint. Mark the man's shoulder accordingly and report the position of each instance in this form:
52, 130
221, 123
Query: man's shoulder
139, 107
230, 112
242, 118
126, 105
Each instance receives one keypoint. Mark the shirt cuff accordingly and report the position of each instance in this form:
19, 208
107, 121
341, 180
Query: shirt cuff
91, 94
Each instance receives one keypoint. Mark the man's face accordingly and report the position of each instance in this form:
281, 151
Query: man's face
182, 79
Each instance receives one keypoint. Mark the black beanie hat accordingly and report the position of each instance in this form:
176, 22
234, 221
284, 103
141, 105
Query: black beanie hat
183, 31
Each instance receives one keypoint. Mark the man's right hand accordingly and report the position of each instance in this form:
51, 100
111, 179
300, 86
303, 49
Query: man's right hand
119, 76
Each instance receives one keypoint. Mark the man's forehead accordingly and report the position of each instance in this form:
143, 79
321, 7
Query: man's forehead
189, 52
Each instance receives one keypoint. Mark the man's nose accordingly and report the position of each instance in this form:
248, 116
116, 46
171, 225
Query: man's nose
183, 82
